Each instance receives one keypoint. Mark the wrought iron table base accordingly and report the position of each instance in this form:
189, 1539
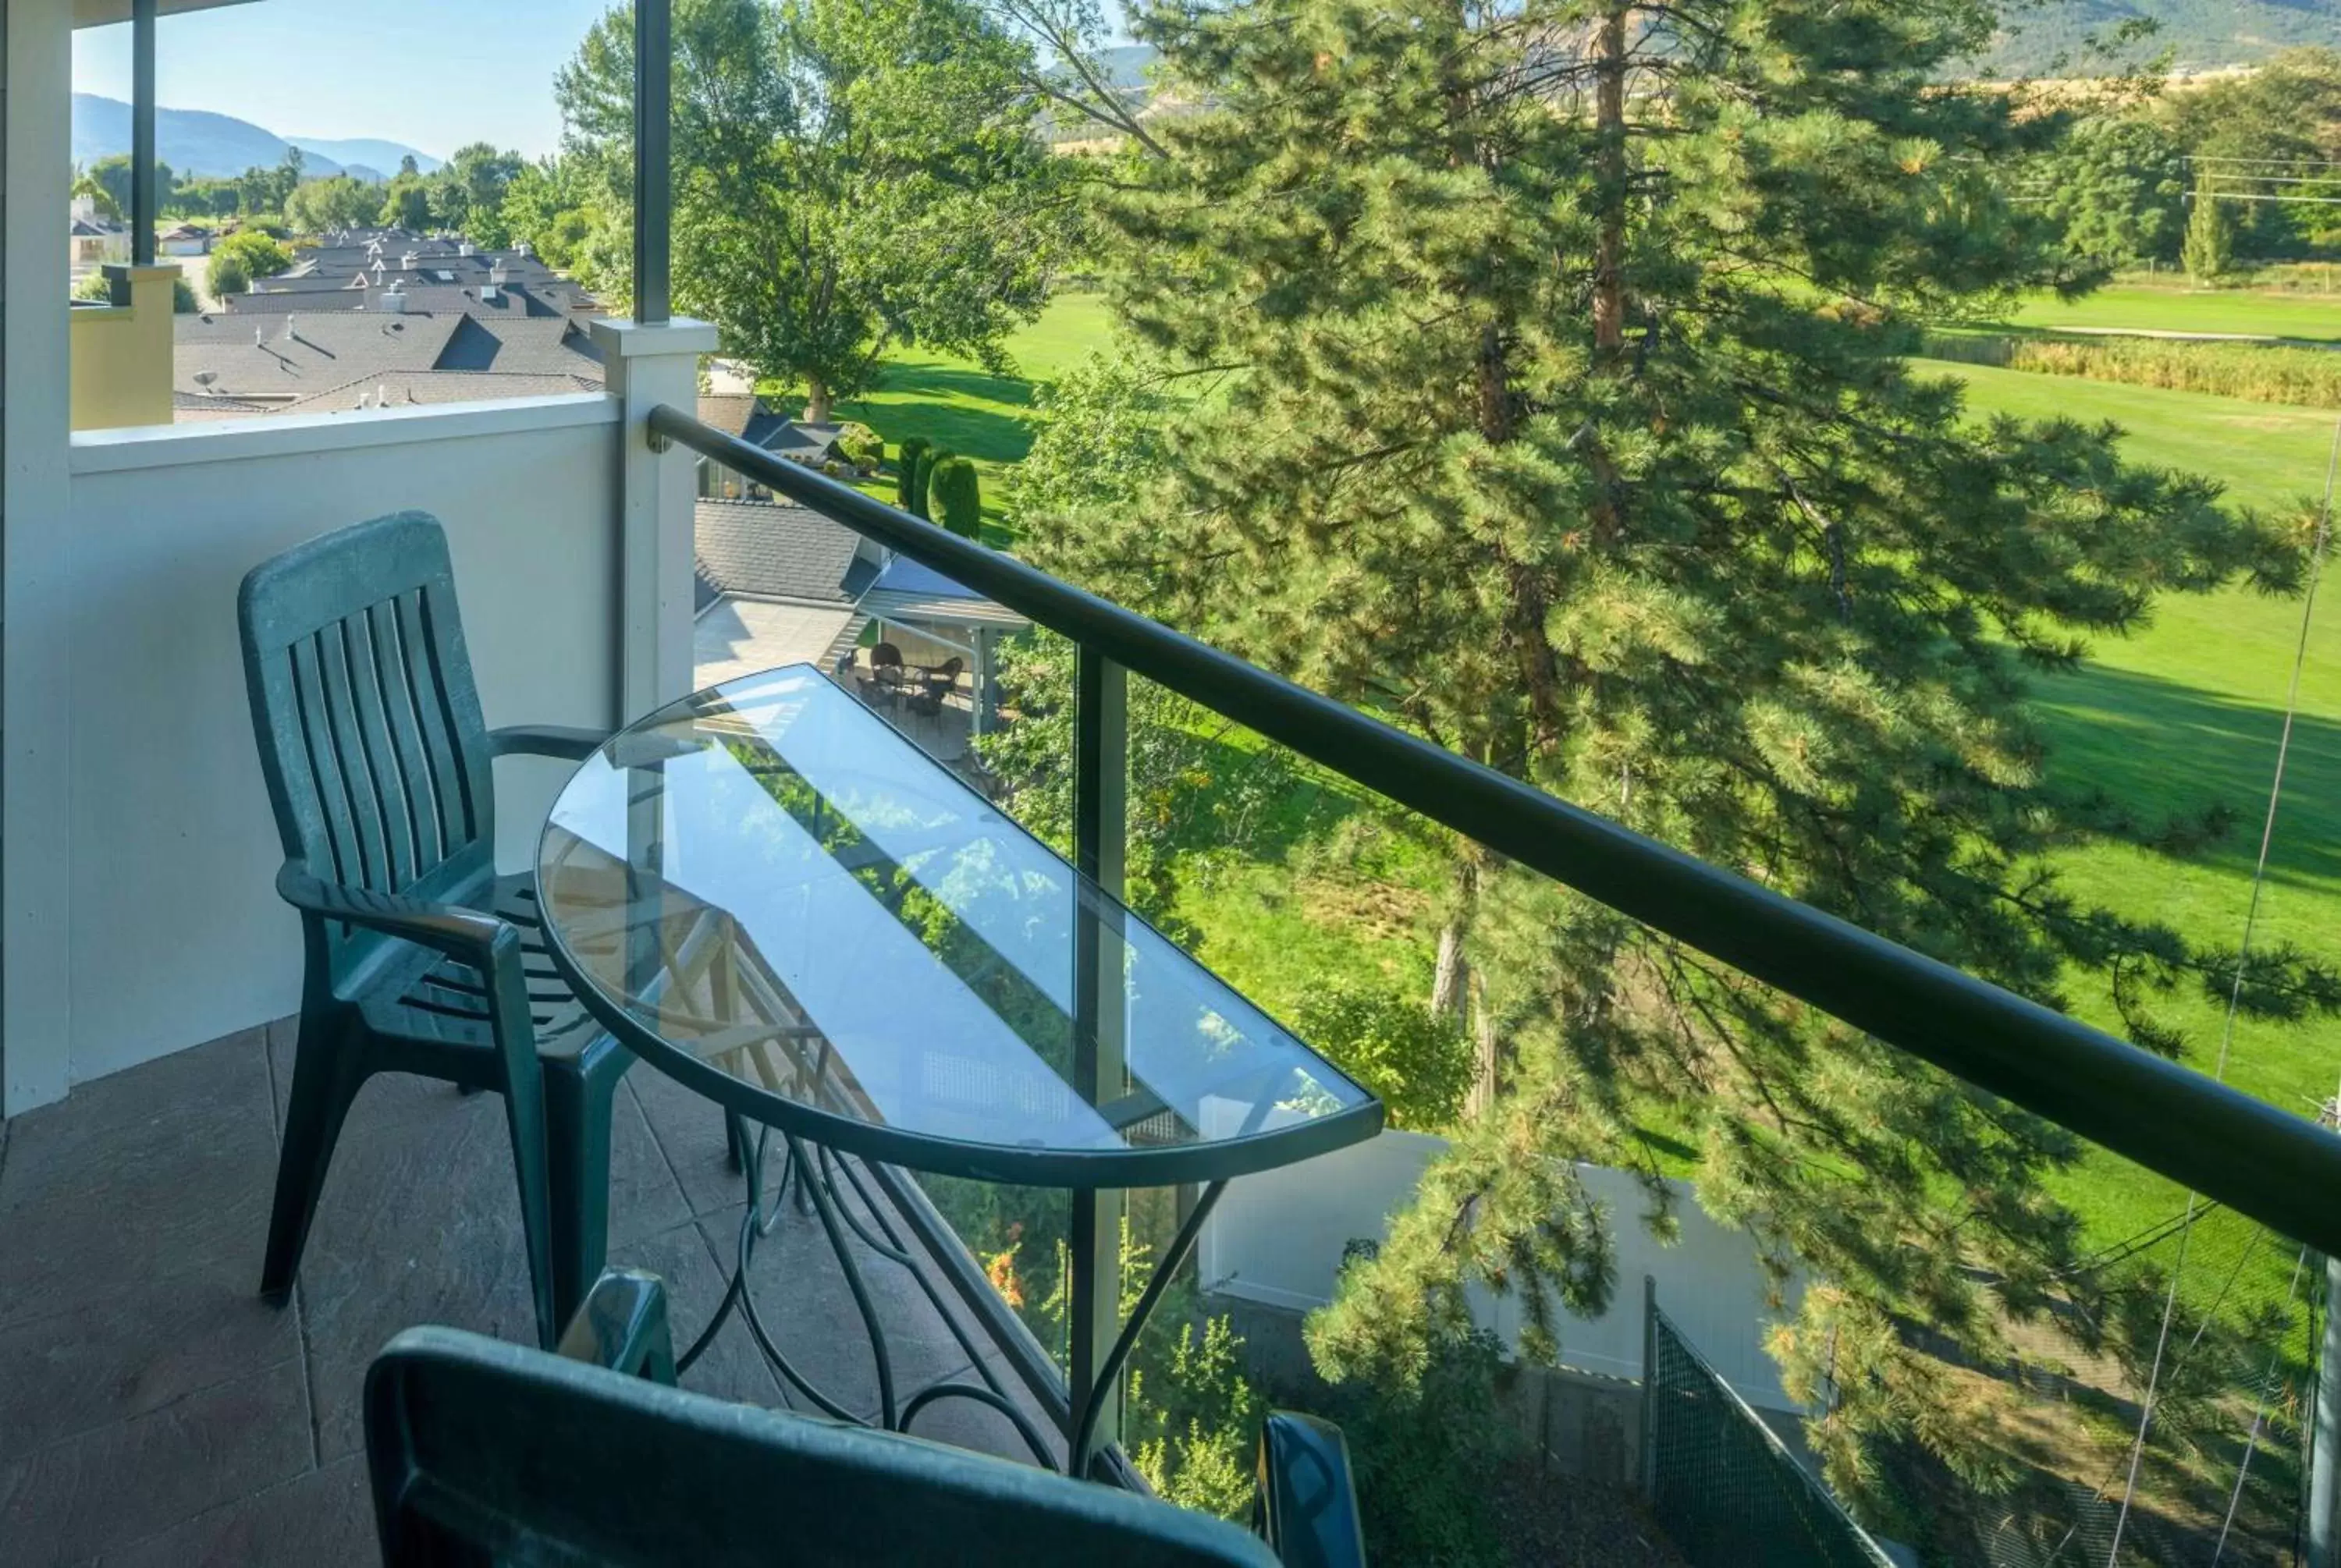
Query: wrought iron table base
813, 1177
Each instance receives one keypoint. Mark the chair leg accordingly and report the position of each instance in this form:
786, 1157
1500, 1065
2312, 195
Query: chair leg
327, 1076
577, 1104
524, 1119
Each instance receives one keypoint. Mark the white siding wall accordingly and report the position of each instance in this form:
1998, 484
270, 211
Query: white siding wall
1277, 1237
176, 935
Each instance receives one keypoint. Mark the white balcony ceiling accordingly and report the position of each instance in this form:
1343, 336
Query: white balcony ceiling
104, 13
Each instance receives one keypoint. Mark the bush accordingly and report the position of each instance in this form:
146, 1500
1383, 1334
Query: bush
95, 286
956, 499
859, 445
1426, 1448
906, 493
226, 274
243, 256
1418, 1063
2261, 373
922, 481
262, 253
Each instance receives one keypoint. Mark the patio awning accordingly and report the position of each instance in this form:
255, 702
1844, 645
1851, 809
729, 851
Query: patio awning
908, 591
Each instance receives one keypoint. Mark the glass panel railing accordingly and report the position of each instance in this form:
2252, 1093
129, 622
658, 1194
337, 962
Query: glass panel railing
1957, 1311
1962, 1320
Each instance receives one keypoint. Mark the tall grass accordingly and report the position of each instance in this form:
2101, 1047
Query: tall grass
2255, 372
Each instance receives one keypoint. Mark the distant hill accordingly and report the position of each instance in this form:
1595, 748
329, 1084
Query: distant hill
2202, 34
360, 154
206, 145
1126, 65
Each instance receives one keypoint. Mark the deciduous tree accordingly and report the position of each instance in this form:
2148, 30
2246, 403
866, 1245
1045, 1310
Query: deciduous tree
851, 179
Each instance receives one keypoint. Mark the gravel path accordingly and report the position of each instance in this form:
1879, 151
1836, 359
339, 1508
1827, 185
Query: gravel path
1554, 1521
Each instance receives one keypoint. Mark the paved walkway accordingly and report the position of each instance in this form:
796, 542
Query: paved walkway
155, 1411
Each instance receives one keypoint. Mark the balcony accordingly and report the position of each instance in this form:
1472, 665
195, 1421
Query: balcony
152, 1411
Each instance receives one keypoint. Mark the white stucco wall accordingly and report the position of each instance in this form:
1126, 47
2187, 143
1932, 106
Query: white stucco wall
175, 934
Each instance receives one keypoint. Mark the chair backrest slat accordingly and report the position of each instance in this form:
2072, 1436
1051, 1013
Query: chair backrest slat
461, 820
345, 711
369, 725
414, 828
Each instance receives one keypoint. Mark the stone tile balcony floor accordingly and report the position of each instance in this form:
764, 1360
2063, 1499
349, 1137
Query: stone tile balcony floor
153, 1411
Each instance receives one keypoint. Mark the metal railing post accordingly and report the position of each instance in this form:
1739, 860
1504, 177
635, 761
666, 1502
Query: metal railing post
2325, 1435
653, 171
1649, 1479
1101, 1065
143, 206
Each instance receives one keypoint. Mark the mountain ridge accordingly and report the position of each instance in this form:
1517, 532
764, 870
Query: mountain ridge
202, 144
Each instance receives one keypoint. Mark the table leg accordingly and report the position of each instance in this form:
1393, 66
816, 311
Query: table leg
1092, 1400
813, 1172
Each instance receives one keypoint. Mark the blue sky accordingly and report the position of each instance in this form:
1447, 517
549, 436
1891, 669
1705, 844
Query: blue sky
431, 73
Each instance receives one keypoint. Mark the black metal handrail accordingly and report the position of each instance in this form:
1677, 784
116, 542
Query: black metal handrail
2281, 1169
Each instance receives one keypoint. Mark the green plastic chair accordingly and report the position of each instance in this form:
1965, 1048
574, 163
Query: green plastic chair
487, 1453
418, 957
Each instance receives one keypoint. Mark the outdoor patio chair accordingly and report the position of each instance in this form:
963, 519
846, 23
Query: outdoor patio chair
418, 958
483, 1451
943, 678
886, 663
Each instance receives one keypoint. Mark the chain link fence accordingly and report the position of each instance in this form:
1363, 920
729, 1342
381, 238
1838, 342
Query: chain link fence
1724, 1486
2220, 1479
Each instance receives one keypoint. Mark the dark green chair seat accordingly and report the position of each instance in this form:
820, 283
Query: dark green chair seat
484, 1453
444, 1001
418, 958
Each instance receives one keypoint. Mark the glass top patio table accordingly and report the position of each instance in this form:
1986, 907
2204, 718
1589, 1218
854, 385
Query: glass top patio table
767, 892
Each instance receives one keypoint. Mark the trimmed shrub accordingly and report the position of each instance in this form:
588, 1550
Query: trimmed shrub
908, 493
957, 501
922, 483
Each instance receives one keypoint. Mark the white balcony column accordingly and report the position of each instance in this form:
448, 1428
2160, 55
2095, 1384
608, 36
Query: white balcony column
36, 597
649, 365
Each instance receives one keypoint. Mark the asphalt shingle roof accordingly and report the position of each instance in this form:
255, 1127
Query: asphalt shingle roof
305, 355
403, 389
760, 549
298, 356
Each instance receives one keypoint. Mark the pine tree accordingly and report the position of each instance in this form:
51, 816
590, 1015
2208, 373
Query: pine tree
2209, 248
1561, 422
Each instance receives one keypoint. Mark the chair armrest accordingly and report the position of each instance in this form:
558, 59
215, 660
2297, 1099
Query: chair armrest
563, 740
623, 1326
1306, 1505
450, 928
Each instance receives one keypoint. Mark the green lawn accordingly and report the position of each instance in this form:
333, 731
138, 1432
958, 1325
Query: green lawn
2148, 308
958, 403
2190, 711
2184, 712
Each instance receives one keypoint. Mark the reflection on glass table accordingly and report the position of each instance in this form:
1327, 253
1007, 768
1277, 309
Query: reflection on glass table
772, 896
